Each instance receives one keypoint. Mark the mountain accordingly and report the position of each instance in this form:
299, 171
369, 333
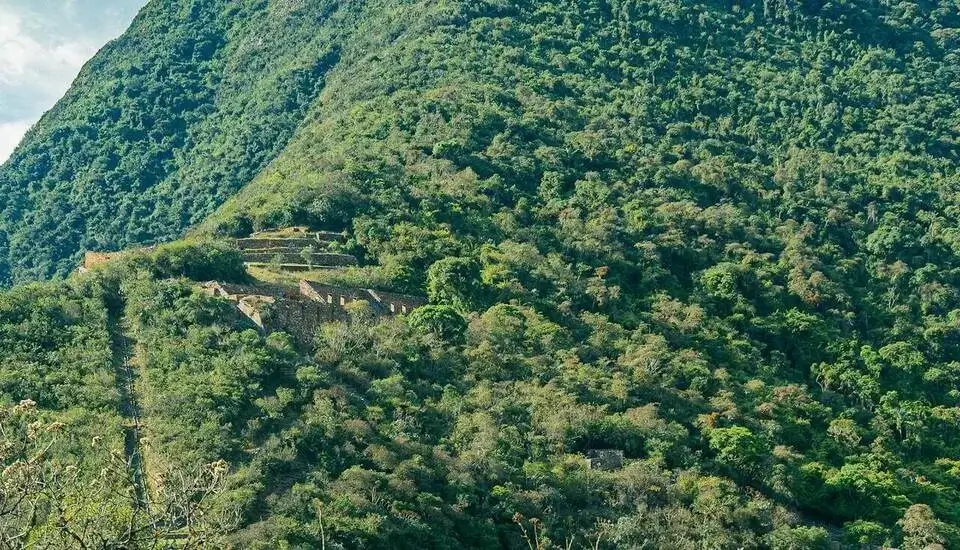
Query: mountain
692, 270
46, 41
161, 127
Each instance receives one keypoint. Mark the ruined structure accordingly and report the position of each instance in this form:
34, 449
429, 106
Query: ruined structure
383, 303
97, 259
299, 311
234, 292
290, 249
605, 459
94, 259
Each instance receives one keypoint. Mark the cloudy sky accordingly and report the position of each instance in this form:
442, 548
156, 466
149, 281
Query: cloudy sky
43, 44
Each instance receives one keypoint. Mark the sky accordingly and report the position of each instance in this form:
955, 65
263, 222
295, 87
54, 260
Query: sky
43, 45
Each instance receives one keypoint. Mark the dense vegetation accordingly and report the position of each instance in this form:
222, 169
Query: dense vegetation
445, 428
66, 475
159, 129
718, 237
743, 214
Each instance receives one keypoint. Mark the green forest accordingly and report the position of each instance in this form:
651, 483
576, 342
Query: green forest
719, 238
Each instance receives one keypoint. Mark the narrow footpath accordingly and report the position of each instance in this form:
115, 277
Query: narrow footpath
123, 348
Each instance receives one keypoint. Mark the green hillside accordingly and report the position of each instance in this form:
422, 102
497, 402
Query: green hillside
718, 239
161, 127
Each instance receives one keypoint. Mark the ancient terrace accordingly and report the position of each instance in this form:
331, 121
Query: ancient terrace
296, 309
294, 249
300, 310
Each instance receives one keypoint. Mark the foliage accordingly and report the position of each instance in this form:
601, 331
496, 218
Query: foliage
443, 321
66, 472
199, 261
455, 282
738, 448
161, 127
49, 500
716, 237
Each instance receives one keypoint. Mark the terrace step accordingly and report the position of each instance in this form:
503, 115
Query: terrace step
298, 242
316, 259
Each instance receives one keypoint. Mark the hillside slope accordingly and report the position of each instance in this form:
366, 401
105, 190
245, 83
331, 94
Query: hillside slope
161, 127
719, 239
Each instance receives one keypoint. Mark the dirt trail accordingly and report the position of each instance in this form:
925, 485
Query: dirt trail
124, 362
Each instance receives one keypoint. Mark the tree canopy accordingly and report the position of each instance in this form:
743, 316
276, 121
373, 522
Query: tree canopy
716, 237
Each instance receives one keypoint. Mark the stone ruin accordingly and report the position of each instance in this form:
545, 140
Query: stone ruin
290, 249
294, 249
94, 259
97, 259
301, 310
606, 460
384, 304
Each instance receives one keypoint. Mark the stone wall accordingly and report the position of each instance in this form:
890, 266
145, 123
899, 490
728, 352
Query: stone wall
301, 310
300, 232
383, 303
299, 318
256, 309
331, 295
255, 243
287, 246
287, 257
234, 292
605, 459
94, 259
396, 304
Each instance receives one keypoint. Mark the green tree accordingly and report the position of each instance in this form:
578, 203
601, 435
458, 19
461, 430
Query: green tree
739, 449
47, 501
455, 282
307, 255
442, 321
921, 530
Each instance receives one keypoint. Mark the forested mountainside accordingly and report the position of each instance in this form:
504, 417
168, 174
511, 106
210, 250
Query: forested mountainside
162, 126
718, 238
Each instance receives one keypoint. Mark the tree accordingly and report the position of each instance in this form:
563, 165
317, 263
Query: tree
866, 533
47, 500
799, 538
443, 321
739, 449
307, 255
921, 530
455, 282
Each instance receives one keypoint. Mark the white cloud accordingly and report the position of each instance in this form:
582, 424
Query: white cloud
43, 45
14, 47
10, 135
33, 75
26, 62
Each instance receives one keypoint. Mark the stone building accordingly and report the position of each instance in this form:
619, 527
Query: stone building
233, 291
301, 310
605, 459
383, 303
